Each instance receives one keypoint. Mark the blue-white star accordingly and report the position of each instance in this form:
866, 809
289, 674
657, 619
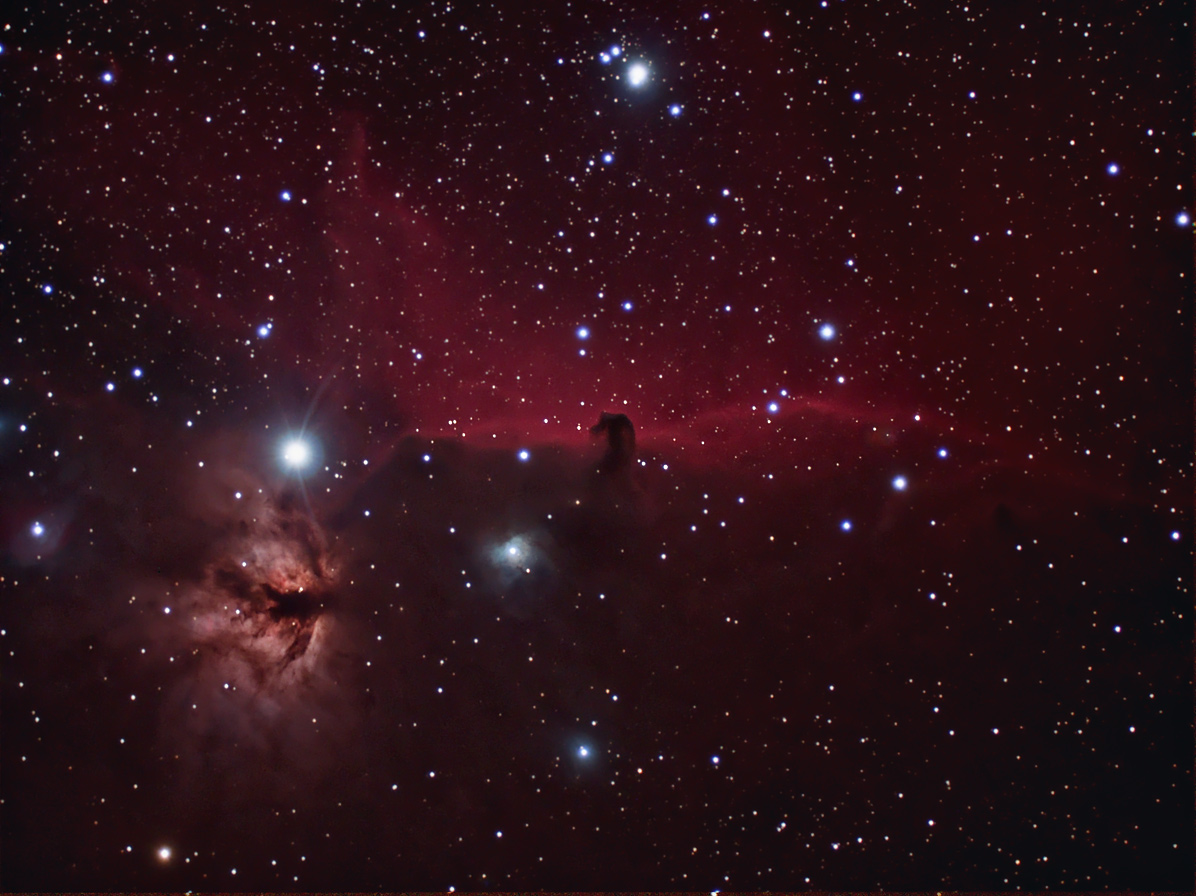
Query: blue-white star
296, 453
637, 74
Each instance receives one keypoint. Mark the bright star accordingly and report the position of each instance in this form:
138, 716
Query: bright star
712, 220
285, 195
1175, 536
47, 288
111, 387
626, 306
1182, 219
296, 453
826, 331
583, 333
607, 158
136, 373
264, 330
37, 530
714, 760
525, 455
637, 74
773, 407
1113, 168
616, 50
900, 483
942, 452
107, 77
164, 853
857, 96
675, 110
583, 752
845, 525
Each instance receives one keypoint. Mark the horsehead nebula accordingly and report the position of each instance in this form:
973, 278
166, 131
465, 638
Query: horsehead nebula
440, 445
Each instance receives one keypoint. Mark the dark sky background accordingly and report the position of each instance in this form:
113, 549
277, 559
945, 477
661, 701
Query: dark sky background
313, 575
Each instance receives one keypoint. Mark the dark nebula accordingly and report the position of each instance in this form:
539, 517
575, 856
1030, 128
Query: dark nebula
620, 441
723, 447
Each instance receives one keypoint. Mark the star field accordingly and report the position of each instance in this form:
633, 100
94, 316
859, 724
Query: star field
592, 447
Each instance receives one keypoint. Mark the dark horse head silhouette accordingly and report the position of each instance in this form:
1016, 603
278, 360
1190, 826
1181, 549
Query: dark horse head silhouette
620, 441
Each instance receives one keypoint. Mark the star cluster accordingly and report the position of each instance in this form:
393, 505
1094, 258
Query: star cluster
710, 447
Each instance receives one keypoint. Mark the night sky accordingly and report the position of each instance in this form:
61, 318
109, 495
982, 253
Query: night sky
321, 568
